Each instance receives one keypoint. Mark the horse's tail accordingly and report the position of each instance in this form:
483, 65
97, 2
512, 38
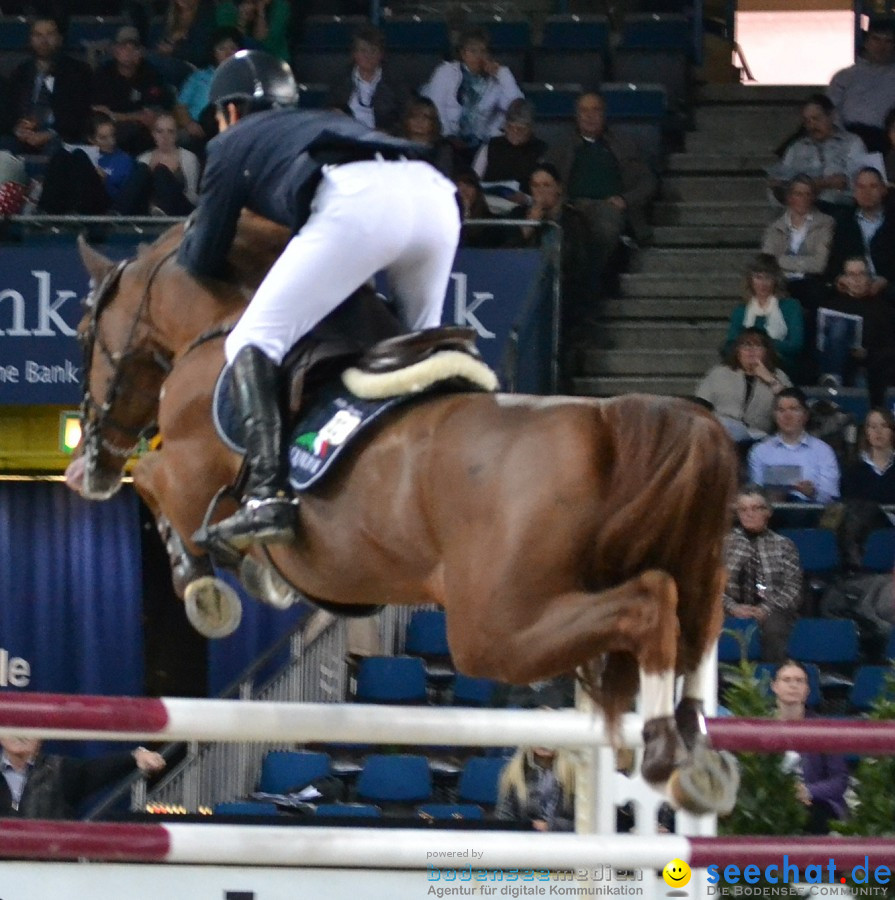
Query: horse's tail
666, 483
613, 688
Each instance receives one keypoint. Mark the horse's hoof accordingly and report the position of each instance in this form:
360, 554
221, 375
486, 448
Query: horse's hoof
706, 784
212, 607
663, 750
265, 584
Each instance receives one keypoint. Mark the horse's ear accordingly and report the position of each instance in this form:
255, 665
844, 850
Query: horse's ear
97, 265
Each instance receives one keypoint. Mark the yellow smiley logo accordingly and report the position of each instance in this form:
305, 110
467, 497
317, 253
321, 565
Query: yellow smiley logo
676, 873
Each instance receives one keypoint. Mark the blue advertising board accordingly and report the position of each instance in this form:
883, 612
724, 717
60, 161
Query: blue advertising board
41, 287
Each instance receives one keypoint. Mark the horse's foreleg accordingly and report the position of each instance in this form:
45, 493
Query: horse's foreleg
212, 606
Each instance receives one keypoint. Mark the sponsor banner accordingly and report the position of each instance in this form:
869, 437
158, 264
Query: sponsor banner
40, 305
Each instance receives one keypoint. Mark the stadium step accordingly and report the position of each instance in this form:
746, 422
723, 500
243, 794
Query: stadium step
735, 162
691, 362
702, 188
726, 283
696, 261
706, 236
613, 385
645, 335
690, 309
756, 215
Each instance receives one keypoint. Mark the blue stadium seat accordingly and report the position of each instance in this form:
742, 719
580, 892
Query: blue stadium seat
330, 32
13, 33
470, 691
245, 808
313, 66
818, 549
574, 32
560, 66
668, 68
349, 810
391, 679
870, 682
426, 634
84, 30
505, 34
450, 811
824, 641
286, 770
479, 780
634, 101
416, 33
879, 551
399, 778
552, 101
730, 648
657, 32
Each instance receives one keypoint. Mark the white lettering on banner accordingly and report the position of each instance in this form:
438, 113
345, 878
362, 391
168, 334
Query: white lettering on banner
18, 328
9, 375
37, 373
464, 312
14, 671
47, 310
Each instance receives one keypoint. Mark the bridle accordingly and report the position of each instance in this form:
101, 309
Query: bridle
95, 416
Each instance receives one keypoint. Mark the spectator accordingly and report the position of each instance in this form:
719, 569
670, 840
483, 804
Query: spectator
50, 93
825, 152
821, 777
872, 476
365, 90
189, 25
766, 307
606, 177
421, 124
265, 23
800, 242
472, 203
792, 463
14, 184
742, 390
6, 114
472, 95
549, 204
839, 357
512, 156
77, 183
865, 92
764, 576
130, 91
866, 231
40, 786
537, 787
889, 152
194, 115
174, 171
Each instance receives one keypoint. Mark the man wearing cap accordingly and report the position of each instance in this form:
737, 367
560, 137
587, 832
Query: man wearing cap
129, 89
50, 93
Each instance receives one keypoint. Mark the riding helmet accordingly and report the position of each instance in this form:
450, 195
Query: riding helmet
254, 76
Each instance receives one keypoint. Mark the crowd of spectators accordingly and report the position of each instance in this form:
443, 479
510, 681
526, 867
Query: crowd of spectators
471, 112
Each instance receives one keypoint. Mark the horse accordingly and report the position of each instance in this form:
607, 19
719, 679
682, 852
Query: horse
559, 534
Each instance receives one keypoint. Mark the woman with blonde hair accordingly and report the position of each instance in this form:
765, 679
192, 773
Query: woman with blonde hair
537, 786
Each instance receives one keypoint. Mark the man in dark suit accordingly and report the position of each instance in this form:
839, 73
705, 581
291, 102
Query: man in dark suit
39, 786
868, 231
50, 93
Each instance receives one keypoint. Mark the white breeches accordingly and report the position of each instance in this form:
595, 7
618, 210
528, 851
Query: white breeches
366, 216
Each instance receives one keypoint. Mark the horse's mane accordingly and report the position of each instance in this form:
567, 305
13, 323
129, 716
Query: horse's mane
257, 244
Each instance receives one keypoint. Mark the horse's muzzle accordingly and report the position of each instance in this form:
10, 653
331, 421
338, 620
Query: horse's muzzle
84, 476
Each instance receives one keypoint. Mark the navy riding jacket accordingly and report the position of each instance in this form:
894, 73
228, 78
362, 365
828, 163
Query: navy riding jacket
270, 162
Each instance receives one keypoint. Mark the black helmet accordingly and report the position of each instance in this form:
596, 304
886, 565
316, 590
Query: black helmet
254, 76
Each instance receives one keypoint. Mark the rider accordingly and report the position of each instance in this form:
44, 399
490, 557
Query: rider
357, 201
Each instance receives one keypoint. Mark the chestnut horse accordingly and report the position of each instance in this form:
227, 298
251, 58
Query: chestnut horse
559, 534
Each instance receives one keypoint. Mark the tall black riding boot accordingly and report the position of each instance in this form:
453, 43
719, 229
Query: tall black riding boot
267, 515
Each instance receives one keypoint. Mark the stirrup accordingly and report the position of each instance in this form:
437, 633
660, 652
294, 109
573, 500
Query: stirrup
260, 520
